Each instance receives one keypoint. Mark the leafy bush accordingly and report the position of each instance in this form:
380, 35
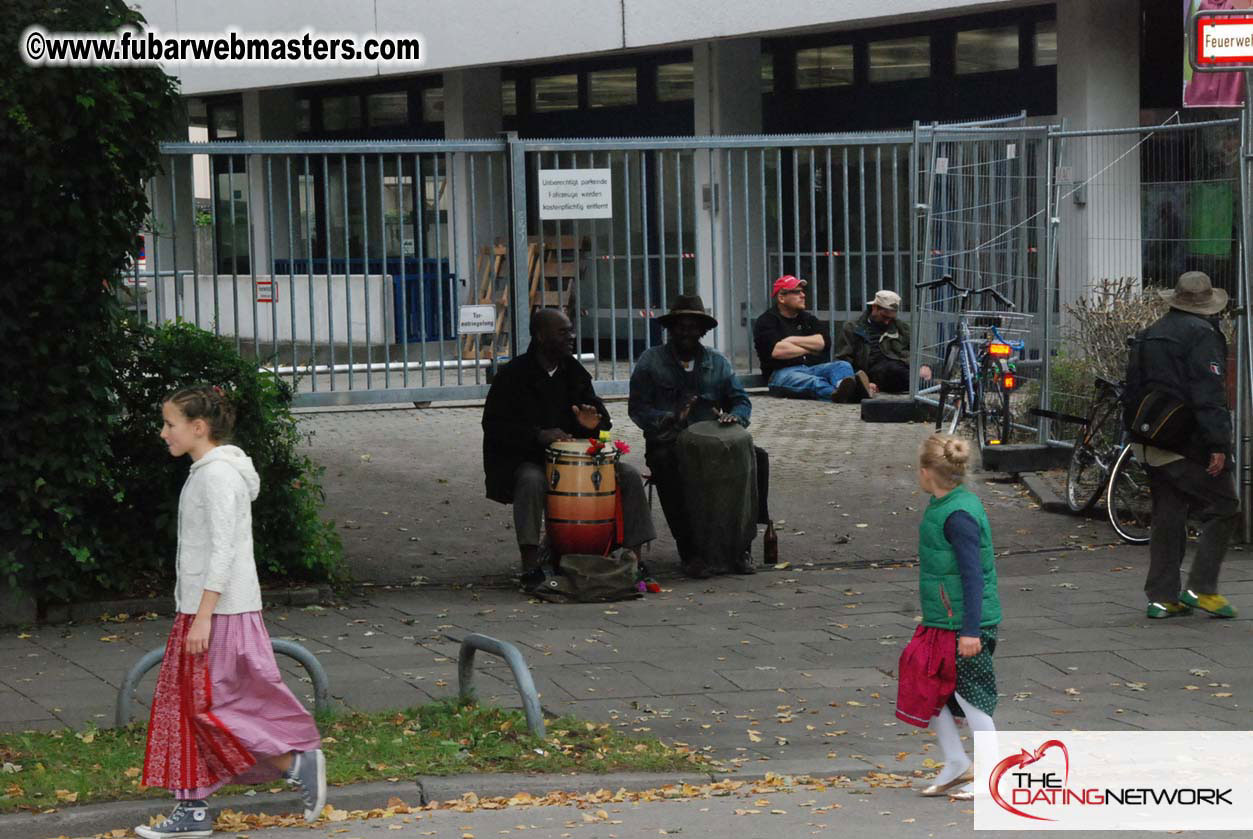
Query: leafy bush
291, 541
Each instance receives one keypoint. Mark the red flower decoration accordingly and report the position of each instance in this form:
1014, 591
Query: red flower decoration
622, 447
595, 447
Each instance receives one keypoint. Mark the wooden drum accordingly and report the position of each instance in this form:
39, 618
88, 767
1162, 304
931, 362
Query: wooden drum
581, 502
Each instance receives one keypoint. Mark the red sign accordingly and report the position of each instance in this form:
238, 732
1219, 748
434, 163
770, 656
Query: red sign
1222, 41
266, 292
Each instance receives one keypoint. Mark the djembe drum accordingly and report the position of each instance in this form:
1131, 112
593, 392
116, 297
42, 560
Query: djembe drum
719, 469
582, 498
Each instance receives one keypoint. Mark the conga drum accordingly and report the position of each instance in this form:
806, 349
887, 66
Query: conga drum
581, 503
718, 466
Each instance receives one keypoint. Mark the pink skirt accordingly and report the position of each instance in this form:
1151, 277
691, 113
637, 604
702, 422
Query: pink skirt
217, 717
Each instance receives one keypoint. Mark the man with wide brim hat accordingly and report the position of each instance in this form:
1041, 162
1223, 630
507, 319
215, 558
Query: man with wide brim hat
674, 387
1195, 294
1180, 362
689, 305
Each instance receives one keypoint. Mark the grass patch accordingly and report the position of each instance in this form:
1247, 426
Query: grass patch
44, 770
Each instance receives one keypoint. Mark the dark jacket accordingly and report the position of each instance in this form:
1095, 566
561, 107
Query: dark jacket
660, 387
520, 404
1186, 355
772, 327
854, 347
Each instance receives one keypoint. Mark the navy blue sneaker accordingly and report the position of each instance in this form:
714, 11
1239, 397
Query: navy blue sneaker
189, 820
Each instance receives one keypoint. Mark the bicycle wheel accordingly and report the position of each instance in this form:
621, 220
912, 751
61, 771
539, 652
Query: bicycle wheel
1128, 501
953, 408
993, 411
1093, 456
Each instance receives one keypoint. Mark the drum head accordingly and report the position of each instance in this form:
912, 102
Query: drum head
566, 448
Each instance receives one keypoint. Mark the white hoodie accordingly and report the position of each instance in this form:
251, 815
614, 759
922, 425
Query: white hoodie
215, 533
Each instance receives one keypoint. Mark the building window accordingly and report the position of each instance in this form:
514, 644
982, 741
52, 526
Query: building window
555, 93
385, 110
824, 66
987, 50
223, 122
675, 82
611, 88
304, 116
1045, 43
341, 113
900, 59
509, 98
433, 104
767, 72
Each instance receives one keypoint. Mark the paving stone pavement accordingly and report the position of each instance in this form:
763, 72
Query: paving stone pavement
794, 666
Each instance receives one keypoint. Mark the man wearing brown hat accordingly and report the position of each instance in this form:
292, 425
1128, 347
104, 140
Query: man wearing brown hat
877, 344
1176, 368
674, 387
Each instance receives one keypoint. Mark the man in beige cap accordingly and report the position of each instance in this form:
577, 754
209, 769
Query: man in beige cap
1177, 367
878, 344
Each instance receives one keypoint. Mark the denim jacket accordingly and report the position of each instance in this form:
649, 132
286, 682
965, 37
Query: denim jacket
660, 386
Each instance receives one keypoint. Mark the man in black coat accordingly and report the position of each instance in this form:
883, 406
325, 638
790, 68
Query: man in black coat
538, 398
1184, 355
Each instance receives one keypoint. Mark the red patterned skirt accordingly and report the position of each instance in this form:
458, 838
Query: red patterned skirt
217, 716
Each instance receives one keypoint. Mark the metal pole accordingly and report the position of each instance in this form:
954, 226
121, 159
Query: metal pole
520, 310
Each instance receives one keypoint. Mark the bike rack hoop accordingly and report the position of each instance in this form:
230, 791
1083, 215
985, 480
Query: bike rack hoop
517, 664
150, 659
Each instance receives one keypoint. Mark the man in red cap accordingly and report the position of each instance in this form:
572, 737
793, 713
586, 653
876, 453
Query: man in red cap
795, 356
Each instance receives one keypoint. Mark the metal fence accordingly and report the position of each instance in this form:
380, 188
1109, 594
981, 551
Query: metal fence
983, 218
722, 218
339, 266
1134, 209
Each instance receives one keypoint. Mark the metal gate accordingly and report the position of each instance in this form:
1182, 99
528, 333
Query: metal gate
341, 266
984, 222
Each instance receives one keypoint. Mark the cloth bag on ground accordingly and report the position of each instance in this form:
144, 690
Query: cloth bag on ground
719, 469
590, 578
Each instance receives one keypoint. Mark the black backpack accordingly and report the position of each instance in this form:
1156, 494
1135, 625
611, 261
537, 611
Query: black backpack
1154, 413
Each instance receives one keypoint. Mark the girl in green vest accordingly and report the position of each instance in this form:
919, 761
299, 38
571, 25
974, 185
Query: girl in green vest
957, 583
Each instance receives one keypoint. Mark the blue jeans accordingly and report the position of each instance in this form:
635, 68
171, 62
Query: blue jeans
817, 381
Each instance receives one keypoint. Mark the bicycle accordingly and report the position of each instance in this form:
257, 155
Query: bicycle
1104, 462
978, 374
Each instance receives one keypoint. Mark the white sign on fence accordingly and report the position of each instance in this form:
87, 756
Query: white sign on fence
477, 319
575, 193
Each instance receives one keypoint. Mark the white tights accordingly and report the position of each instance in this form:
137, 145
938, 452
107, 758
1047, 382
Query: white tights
945, 727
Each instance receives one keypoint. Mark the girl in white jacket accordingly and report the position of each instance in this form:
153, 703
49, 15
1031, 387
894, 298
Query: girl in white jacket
221, 713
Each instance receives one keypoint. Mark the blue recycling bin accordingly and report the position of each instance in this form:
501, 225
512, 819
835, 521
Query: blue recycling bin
417, 295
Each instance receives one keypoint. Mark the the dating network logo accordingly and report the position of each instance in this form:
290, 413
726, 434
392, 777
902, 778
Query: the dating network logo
1046, 788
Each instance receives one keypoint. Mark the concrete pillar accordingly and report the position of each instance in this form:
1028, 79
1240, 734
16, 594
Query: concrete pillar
727, 79
472, 110
268, 115
1098, 86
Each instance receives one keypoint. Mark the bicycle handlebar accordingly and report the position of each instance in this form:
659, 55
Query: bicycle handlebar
963, 292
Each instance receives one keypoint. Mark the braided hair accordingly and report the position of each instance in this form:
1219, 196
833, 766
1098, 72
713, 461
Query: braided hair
209, 403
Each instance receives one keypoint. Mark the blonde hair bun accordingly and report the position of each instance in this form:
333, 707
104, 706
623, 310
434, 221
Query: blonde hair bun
957, 452
945, 457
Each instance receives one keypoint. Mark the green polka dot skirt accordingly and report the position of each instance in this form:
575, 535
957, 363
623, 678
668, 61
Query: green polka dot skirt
976, 677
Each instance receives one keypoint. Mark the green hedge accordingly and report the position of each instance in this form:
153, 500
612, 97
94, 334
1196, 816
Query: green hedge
291, 540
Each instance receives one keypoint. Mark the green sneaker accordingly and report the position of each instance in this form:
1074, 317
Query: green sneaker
1214, 604
1169, 609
